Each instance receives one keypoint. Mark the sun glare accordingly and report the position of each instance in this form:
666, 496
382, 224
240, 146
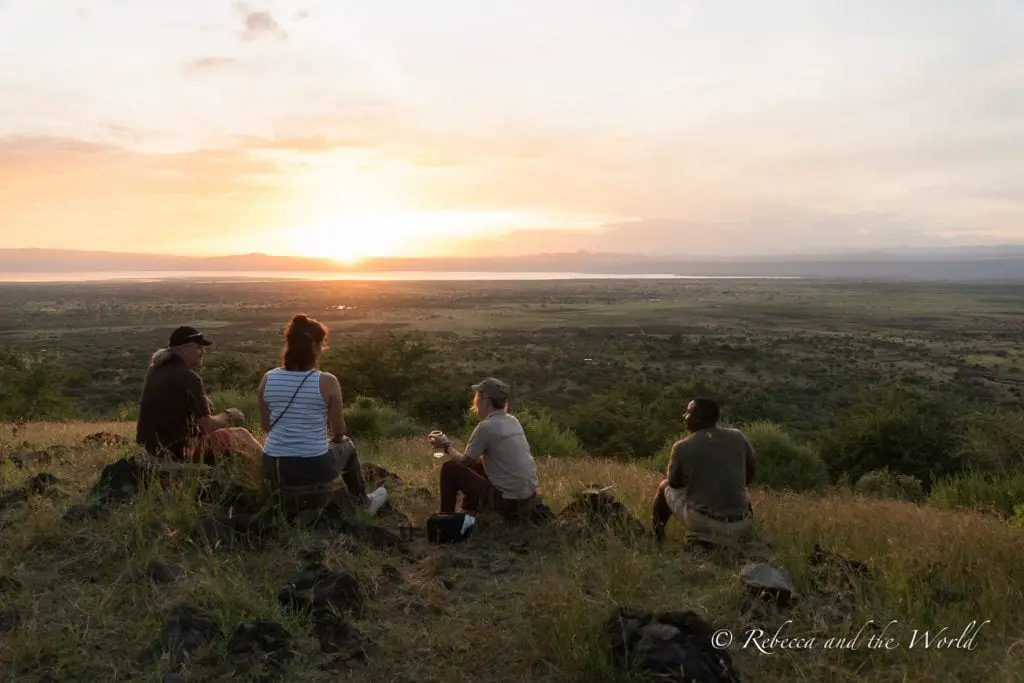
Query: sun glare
351, 239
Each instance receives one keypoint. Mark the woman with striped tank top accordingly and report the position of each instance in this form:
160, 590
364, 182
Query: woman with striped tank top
301, 412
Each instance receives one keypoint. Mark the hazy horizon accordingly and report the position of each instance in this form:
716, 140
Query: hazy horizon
345, 130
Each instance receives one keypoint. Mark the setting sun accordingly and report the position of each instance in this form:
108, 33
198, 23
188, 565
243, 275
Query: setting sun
352, 238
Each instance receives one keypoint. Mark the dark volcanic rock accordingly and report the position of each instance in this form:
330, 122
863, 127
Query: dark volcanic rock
186, 630
119, 481
10, 619
260, 644
162, 573
319, 590
104, 440
376, 537
339, 637
26, 458
41, 483
768, 582
375, 476
596, 509
78, 513
672, 646
231, 529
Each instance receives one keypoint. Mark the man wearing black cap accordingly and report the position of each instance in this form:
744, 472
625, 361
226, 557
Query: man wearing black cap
497, 471
174, 411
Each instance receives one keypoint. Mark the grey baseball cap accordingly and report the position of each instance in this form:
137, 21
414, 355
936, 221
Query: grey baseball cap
494, 388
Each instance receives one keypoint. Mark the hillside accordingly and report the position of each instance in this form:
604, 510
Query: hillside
510, 604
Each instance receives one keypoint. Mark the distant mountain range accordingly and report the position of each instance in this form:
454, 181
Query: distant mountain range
983, 263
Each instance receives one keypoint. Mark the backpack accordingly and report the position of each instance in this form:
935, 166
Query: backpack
450, 527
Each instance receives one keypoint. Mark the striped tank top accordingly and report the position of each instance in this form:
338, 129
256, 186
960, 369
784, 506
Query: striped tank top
302, 431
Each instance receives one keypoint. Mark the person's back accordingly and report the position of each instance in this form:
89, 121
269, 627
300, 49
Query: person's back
299, 429
715, 464
508, 461
171, 405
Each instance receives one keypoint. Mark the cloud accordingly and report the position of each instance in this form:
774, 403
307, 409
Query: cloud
206, 63
259, 24
308, 144
60, 192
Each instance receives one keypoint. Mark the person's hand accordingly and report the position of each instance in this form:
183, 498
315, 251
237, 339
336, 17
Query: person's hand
235, 415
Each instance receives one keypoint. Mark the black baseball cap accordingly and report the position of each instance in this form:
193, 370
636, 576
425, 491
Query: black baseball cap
185, 335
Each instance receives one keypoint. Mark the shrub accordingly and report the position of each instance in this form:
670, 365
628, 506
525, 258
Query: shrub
370, 420
993, 441
885, 484
547, 437
31, 387
904, 432
782, 462
246, 401
979, 490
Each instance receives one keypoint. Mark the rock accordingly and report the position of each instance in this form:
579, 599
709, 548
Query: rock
78, 513
391, 574
376, 537
375, 476
338, 636
318, 590
162, 573
186, 630
263, 644
174, 678
26, 458
421, 494
767, 581
119, 481
824, 558
41, 483
228, 529
104, 440
667, 645
10, 619
596, 509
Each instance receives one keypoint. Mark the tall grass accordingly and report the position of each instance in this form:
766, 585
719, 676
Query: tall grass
88, 612
981, 491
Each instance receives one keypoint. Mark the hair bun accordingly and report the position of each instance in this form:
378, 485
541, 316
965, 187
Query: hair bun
300, 318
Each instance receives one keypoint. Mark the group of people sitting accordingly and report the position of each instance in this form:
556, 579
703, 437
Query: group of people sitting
307, 446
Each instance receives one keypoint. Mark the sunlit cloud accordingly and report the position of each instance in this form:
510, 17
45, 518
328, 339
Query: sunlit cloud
685, 128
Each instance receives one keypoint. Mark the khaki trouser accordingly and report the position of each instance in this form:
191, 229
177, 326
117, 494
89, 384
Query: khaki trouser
701, 527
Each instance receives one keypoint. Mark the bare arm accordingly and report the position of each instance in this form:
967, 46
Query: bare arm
751, 462
200, 406
677, 477
474, 449
264, 408
330, 389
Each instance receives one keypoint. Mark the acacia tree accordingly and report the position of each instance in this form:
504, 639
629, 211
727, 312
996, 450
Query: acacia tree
31, 387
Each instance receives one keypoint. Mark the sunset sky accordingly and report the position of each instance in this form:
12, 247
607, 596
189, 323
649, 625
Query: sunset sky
351, 129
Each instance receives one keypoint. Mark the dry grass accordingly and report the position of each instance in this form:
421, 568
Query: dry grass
87, 614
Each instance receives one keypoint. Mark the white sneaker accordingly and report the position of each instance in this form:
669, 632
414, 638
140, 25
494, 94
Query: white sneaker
377, 500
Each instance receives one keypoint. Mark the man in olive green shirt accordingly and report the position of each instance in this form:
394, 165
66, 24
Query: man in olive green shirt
708, 475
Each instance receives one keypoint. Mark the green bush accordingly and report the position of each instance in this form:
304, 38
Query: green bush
978, 490
547, 437
246, 401
993, 441
885, 484
902, 431
782, 462
32, 387
370, 420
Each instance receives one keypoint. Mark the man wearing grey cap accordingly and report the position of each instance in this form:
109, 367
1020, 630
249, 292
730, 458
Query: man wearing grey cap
497, 471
